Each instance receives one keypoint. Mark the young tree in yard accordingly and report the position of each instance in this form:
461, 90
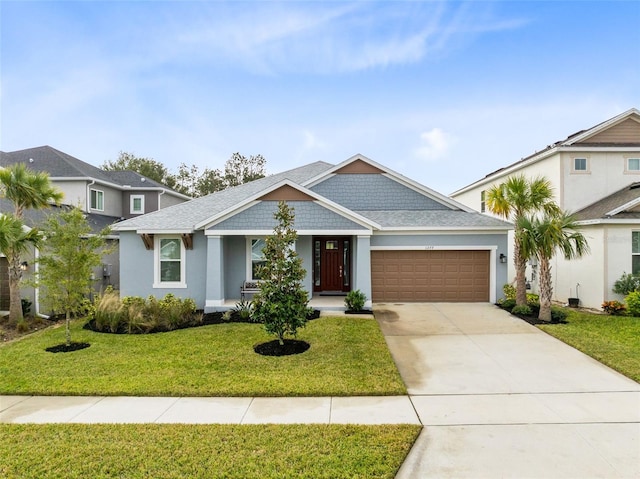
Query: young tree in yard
71, 252
542, 237
26, 189
514, 199
281, 303
15, 239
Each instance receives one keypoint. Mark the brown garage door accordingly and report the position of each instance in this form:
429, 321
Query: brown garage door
430, 276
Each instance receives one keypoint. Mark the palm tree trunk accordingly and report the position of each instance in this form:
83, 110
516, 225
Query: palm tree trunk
521, 282
546, 290
15, 275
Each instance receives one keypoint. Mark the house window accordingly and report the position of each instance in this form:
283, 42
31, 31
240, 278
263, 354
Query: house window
633, 164
580, 164
97, 200
635, 252
170, 263
483, 205
137, 204
257, 257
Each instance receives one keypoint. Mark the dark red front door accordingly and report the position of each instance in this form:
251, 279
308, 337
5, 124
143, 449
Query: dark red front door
333, 263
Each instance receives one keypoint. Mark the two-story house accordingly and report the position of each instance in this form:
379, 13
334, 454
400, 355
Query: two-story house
595, 174
107, 197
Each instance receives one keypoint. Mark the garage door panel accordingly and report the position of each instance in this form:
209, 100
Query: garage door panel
447, 275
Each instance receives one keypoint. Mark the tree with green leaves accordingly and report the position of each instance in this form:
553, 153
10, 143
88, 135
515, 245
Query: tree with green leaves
26, 189
16, 239
281, 304
543, 236
148, 167
514, 199
239, 169
70, 253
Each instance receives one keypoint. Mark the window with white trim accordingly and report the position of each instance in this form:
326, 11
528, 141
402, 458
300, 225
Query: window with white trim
483, 205
580, 164
635, 252
97, 200
137, 204
633, 164
257, 258
169, 262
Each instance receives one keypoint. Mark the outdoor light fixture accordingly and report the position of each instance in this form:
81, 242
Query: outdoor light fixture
503, 258
24, 265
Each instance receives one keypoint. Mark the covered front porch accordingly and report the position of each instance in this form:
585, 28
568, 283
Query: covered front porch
321, 303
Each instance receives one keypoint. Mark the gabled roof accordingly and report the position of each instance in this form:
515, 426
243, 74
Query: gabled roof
185, 216
60, 165
621, 206
409, 183
205, 212
582, 139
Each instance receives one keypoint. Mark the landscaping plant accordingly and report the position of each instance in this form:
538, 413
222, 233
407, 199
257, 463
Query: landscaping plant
355, 299
626, 284
281, 303
633, 303
614, 308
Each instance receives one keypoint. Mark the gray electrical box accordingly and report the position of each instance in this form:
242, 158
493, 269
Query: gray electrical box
106, 270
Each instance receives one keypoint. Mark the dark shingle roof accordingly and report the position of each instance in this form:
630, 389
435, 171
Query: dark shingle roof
600, 208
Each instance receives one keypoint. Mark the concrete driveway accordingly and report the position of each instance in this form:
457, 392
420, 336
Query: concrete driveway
501, 399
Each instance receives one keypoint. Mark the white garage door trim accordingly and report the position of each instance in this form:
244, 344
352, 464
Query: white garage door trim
492, 258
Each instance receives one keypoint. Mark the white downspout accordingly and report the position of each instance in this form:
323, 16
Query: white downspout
87, 202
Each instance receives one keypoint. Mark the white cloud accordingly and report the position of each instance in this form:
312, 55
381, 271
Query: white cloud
435, 144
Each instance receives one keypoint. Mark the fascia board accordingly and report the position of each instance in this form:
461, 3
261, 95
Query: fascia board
152, 231
335, 232
608, 221
442, 229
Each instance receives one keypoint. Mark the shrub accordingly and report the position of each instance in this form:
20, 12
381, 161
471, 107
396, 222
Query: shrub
507, 304
627, 283
108, 311
535, 308
558, 314
614, 308
522, 310
354, 301
532, 298
509, 291
633, 303
244, 309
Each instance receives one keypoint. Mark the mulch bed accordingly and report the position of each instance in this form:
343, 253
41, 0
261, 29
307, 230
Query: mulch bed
63, 348
274, 348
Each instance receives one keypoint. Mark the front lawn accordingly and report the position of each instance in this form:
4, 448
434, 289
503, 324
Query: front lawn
612, 340
348, 357
202, 451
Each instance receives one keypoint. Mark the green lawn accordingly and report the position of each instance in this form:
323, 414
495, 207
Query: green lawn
612, 340
202, 451
348, 357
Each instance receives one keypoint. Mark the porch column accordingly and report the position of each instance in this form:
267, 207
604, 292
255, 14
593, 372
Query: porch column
215, 274
363, 267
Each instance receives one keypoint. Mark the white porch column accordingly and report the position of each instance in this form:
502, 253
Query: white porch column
363, 267
215, 273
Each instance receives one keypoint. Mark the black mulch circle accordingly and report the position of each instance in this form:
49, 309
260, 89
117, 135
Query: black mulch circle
63, 348
273, 348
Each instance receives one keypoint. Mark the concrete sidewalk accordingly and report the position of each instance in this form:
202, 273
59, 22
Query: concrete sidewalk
211, 410
500, 398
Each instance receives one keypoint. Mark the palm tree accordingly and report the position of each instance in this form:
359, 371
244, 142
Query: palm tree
15, 238
513, 200
26, 189
542, 237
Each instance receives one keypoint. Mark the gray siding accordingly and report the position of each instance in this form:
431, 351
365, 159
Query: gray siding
374, 193
150, 202
308, 216
137, 269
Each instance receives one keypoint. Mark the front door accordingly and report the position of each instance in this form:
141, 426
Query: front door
332, 265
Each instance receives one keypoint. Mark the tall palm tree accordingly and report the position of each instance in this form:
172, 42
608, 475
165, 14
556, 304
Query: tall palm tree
542, 237
514, 199
15, 239
26, 189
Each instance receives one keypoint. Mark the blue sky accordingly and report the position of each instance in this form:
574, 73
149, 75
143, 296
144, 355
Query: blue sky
442, 92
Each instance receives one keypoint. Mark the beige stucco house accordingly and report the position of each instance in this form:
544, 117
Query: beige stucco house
595, 173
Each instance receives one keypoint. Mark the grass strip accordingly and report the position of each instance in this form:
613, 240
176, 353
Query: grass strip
348, 357
202, 451
612, 340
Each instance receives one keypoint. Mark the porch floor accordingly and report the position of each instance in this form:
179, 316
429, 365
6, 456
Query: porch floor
322, 303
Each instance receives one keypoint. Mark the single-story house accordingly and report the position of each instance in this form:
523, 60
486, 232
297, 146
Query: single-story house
360, 225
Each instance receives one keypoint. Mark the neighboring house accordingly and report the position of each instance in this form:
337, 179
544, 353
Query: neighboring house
106, 196
360, 226
594, 174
